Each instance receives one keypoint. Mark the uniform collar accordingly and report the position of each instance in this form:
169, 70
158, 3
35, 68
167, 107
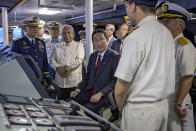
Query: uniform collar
178, 36
146, 20
82, 39
30, 38
54, 41
102, 54
111, 37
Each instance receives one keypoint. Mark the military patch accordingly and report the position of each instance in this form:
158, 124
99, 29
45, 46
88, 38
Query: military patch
26, 47
40, 46
183, 41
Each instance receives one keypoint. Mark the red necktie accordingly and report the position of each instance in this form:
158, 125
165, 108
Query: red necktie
93, 90
98, 62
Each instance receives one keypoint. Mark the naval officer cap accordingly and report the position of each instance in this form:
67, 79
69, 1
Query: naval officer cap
41, 23
53, 25
82, 32
171, 10
144, 2
10, 30
160, 3
32, 21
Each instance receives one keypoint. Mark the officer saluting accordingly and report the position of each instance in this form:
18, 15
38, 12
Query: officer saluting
32, 46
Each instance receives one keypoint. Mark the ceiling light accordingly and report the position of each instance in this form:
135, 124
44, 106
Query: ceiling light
45, 11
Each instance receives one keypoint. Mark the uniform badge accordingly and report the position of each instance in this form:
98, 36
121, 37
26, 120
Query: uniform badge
24, 43
165, 8
106, 60
40, 46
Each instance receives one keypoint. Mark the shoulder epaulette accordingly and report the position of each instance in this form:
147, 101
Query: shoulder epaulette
46, 40
183, 41
18, 38
40, 40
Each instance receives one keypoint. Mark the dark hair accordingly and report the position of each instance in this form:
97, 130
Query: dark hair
99, 31
147, 8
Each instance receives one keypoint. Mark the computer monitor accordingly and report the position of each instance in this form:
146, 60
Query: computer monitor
17, 32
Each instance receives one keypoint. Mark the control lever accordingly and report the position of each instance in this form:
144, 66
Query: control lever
104, 126
27, 57
75, 108
50, 81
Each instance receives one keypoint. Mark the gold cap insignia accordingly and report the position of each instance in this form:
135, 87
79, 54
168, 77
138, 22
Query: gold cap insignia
165, 8
35, 19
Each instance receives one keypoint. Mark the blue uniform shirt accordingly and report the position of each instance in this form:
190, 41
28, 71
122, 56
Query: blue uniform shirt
36, 50
49, 48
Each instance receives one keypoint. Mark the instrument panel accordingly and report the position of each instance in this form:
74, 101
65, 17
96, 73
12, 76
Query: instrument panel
26, 114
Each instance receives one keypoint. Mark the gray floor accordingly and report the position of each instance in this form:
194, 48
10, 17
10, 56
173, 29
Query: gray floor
107, 114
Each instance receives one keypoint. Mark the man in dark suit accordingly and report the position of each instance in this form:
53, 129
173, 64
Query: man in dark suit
110, 29
117, 44
93, 90
32, 46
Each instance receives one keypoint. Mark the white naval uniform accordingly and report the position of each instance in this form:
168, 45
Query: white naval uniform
72, 55
185, 65
148, 62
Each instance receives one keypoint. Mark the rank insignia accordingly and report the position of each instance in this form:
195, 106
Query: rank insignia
24, 43
26, 47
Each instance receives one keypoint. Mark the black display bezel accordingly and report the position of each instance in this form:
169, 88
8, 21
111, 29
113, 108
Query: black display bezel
28, 101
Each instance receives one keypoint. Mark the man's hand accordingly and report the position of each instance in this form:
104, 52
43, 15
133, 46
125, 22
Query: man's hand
73, 94
44, 82
96, 97
181, 113
62, 71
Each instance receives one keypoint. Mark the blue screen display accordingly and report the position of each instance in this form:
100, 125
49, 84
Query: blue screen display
17, 32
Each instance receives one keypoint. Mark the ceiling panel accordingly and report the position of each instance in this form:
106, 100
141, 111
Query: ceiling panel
69, 8
9, 3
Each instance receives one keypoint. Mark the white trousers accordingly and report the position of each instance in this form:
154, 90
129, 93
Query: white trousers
145, 116
174, 124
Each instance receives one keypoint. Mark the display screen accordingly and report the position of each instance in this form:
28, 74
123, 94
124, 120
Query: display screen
16, 99
17, 32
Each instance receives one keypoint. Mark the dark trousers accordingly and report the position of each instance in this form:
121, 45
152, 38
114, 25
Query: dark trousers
51, 72
65, 93
84, 99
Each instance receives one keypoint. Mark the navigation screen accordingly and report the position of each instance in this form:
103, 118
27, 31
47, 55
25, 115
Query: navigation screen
17, 99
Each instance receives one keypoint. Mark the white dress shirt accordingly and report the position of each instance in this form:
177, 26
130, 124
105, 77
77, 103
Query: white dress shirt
148, 62
70, 55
